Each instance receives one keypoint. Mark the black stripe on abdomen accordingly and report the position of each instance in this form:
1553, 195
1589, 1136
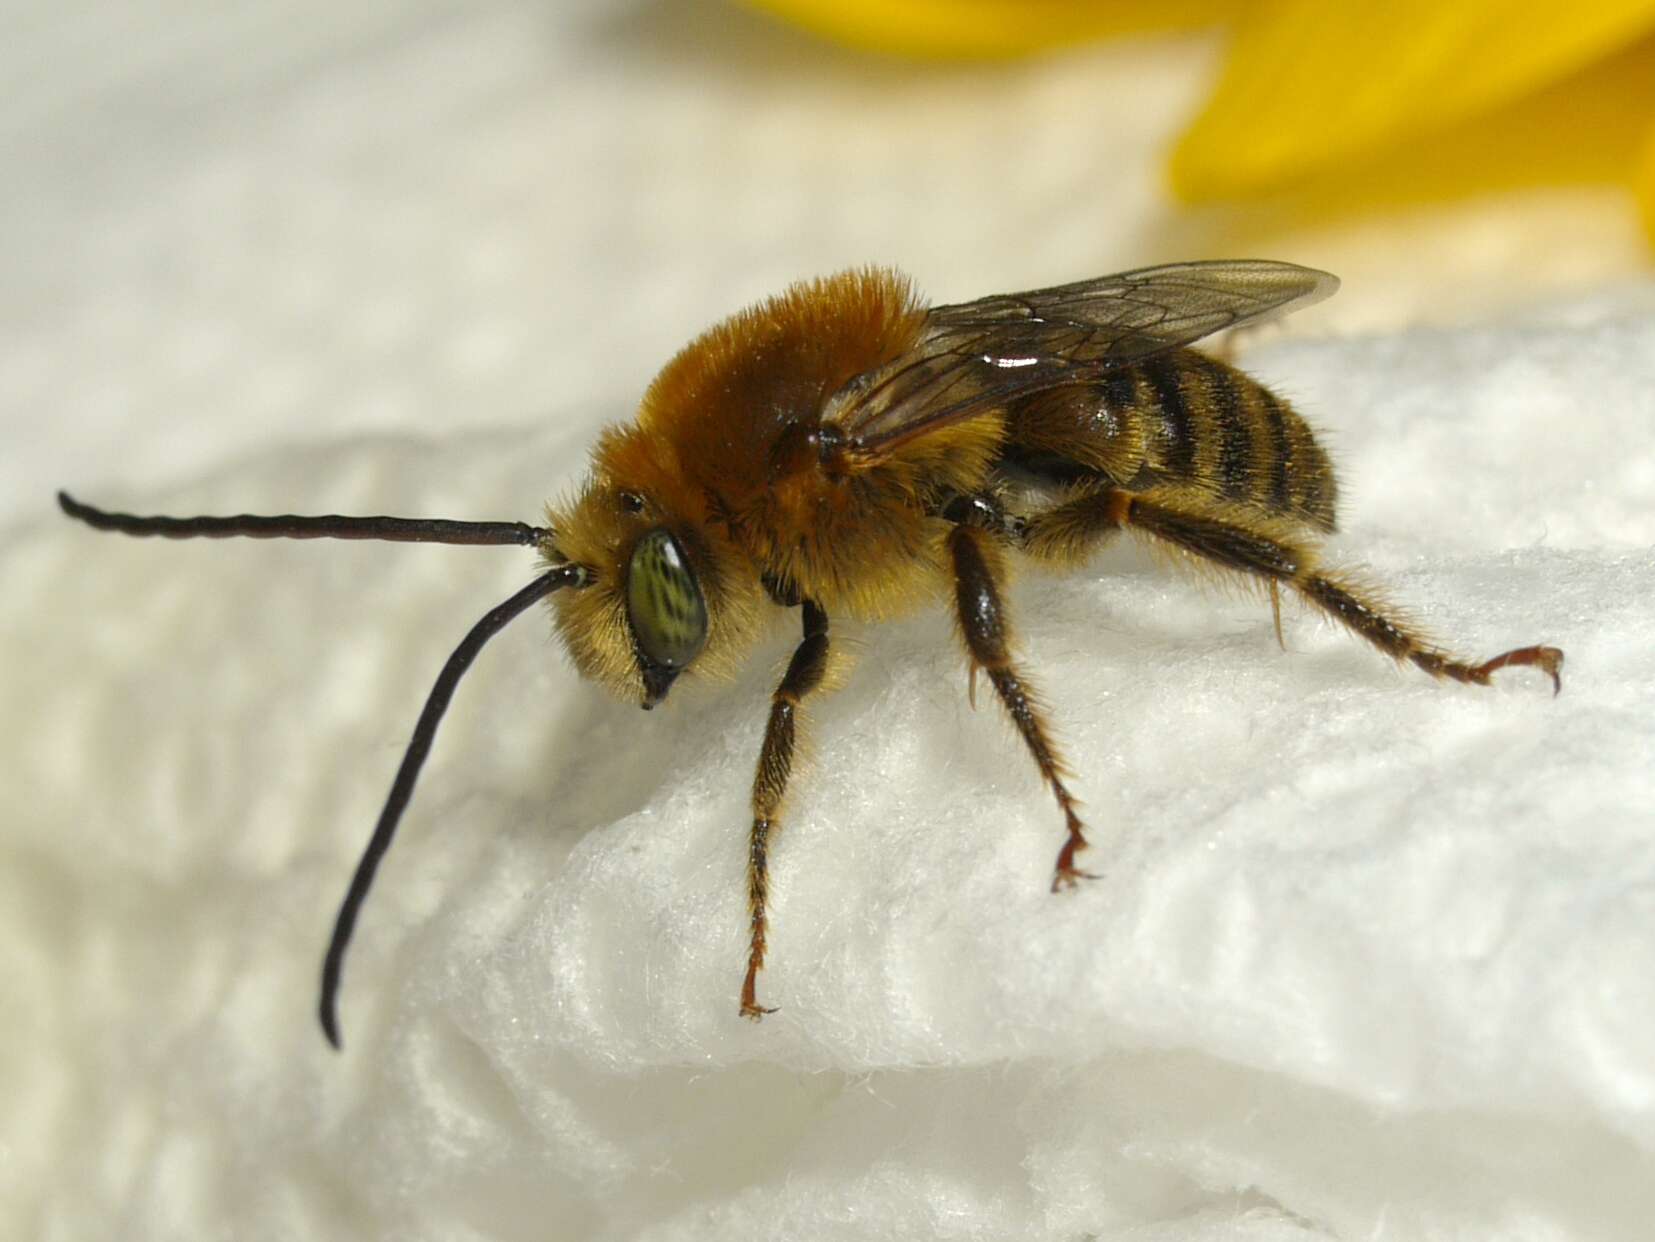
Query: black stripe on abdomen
1162, 373
1235, 444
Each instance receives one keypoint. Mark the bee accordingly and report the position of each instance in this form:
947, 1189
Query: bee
844, 450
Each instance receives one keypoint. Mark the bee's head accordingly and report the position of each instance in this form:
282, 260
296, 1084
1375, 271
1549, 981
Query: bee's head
668, 591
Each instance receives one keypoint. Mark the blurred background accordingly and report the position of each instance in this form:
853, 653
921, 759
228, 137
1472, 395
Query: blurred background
227, 227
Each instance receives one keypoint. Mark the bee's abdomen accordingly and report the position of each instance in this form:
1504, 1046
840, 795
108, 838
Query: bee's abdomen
1210, 424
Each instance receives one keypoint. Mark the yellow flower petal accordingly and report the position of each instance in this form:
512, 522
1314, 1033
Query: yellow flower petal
984, 29
1309, 83
1645, 185
1589, 127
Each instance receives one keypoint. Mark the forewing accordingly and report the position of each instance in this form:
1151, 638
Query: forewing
979, 355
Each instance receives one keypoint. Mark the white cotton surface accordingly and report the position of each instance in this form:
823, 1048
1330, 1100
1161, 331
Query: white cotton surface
1366, 955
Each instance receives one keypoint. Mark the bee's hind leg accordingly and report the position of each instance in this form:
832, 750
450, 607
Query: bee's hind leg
1263, 550
804, 674
975, 549
1272, 551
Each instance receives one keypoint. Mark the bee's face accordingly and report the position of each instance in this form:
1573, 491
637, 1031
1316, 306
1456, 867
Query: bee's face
668, 593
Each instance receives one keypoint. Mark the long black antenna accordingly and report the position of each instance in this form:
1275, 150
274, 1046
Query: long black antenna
402, 789
291, 526
400, 530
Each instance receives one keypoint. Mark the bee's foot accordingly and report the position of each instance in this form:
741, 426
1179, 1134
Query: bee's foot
1548, 660
1066, 878
750, 1007
1067, 875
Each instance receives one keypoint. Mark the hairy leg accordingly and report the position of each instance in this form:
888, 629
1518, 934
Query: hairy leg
804, 674
986, 630
1280, 553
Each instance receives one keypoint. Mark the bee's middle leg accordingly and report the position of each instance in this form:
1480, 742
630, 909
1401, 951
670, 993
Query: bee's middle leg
984, 625
804, 674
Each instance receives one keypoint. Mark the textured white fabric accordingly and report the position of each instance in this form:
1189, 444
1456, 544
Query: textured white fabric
1368, 957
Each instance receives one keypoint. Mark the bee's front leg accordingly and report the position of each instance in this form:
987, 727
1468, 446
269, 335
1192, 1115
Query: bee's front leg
804, 674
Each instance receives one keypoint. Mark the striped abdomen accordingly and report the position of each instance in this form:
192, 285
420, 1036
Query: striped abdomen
1183, 417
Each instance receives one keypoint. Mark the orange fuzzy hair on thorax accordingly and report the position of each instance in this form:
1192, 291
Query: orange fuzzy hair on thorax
724, 453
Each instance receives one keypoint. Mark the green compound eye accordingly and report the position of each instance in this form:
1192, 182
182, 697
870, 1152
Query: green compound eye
663, 602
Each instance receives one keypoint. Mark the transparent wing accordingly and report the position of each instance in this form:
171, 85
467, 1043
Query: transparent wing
979, 355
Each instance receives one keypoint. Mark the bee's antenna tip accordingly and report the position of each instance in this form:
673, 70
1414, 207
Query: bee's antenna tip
330, 1028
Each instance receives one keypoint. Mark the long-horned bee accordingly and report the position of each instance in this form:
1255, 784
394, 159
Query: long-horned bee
843, 450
